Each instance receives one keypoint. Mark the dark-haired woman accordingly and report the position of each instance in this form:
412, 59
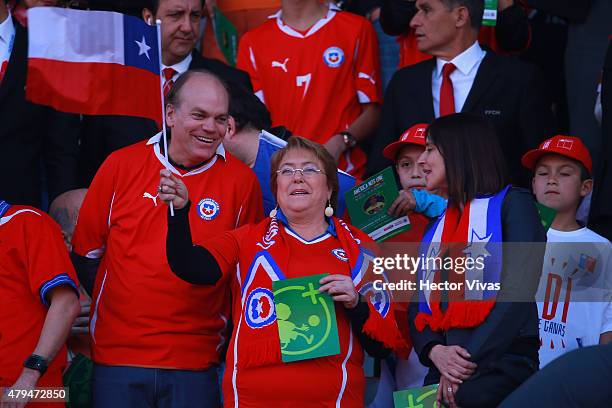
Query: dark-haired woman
480, 342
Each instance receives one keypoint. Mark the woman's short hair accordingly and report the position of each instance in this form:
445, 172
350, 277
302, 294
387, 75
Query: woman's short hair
321, 154
473, 157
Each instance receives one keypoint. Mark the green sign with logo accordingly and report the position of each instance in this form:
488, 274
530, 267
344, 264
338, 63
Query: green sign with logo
306, 319
422, 397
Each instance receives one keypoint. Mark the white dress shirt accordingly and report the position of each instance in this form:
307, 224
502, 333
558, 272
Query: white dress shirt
7, 37
179, 67
467, 64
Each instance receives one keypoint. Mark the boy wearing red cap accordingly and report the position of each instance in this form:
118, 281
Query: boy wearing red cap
573, 301
419, 205
405, 153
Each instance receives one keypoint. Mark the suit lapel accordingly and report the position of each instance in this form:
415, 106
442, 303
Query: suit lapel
17, 65
486, 75
425, 89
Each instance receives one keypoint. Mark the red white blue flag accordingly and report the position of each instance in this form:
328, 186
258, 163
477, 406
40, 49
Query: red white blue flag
93, 62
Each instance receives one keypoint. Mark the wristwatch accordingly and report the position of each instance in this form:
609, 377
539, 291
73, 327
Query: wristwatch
36, 362
349, 139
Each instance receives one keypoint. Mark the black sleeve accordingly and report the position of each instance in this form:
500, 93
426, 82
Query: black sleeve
513, 30
512, 317
86, 269
572, 10
535, 115
387, 130
395, 16
358, 317
191, 263
423, 341
61, 152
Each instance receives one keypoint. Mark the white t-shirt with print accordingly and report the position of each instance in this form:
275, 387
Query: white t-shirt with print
574, 302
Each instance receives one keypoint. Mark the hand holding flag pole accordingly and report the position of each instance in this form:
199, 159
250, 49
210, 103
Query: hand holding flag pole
161, 91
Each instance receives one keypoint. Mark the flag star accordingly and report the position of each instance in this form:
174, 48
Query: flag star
478, 246
143, 48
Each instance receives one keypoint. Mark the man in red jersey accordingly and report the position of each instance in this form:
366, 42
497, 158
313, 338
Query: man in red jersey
316, 69
38, 303
156, 339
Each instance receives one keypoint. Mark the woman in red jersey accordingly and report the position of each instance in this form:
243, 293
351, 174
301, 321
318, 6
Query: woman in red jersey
300, 238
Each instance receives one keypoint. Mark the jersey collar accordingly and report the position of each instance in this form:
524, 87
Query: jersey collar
155, 141
330, 231
331, 12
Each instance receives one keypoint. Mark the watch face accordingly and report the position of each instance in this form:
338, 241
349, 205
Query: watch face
37, 363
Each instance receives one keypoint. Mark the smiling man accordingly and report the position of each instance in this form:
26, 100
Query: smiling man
463, 77
156, 338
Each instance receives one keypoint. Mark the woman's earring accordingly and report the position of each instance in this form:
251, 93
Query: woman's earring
274, 211
329, 211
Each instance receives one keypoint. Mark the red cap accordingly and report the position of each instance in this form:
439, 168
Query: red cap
415, 135
568, 146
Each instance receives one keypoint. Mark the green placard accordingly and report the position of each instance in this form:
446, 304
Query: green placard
369, 202
306, 319
547, 215
77, 379
422, 397
489, 17
226, 36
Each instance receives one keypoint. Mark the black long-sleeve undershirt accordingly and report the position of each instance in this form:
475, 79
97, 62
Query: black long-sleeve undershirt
191, 263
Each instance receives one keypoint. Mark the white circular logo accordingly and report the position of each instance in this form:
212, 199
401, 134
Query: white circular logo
380, 299
340, 254
333, 57
259, 309
208, 209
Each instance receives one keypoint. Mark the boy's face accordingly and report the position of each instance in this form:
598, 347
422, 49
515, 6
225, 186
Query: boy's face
410, 172
556, 183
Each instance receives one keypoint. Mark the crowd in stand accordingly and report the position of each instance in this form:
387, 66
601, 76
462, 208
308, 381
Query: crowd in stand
160, 262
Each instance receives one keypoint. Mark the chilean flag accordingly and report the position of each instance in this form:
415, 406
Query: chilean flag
93, 62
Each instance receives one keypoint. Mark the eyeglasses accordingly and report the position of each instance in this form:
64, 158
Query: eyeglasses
307, 172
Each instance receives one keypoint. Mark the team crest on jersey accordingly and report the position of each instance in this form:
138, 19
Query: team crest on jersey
380, 299
208, 209
333, 57
340, 254
259, 310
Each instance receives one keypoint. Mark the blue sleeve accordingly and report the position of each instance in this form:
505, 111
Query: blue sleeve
429, 204
61, 279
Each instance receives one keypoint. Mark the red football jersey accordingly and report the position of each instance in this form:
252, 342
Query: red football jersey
142, 314
250, 379
315, 83
33, 260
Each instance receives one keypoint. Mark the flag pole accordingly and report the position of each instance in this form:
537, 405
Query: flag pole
161, 91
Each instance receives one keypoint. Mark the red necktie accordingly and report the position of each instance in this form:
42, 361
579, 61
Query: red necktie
168, 82
3, 70
447, 97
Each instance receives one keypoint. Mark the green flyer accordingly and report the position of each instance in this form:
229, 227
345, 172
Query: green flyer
369, 202
547, 215
422, 397
226, 36
306, 319
489, 17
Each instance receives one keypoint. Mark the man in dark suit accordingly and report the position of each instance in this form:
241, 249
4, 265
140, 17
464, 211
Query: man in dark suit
32, 137
506, 92
101, 135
